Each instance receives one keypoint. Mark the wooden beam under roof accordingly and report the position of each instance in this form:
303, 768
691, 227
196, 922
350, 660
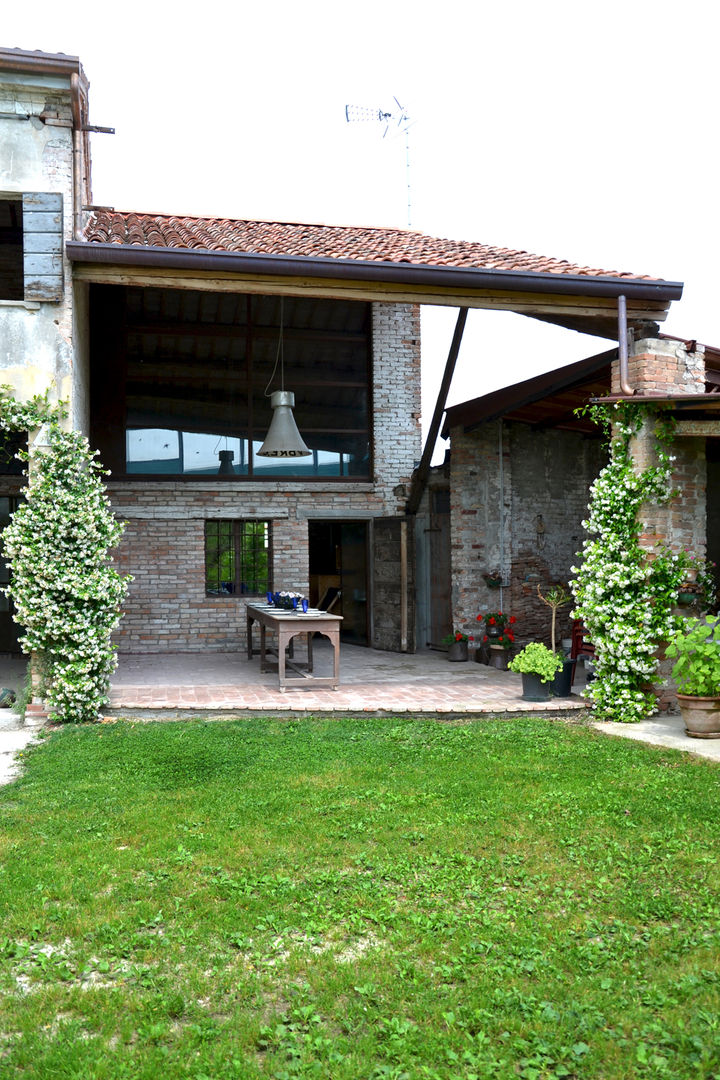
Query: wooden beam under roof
589, 314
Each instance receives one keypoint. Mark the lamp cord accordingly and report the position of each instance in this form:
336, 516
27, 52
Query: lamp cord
280, 355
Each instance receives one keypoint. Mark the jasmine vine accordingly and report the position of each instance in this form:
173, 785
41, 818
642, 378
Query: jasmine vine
66, 594
624, 596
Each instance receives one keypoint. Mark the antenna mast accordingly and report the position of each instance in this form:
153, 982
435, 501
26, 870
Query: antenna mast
363, 113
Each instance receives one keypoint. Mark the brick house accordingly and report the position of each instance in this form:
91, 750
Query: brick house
522, 462
163, 333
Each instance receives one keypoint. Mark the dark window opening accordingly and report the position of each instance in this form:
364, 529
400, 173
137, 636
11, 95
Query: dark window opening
11, 442
12, 285
237, 558
180, 383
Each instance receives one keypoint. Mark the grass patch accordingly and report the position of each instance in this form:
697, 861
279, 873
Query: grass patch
358, 899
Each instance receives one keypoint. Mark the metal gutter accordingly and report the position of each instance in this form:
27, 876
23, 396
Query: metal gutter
361, 270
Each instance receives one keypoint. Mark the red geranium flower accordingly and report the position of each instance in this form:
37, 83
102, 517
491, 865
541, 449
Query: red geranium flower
513, 619
491, 620
458, 636
485, 638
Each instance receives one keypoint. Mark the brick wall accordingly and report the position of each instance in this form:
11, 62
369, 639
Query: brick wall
543, 491
671, 367
658, 366
163, 545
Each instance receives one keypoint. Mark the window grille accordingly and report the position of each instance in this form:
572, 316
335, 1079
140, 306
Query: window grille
237, 558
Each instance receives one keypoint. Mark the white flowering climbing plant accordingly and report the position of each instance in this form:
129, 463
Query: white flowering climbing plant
67, 596
625, 598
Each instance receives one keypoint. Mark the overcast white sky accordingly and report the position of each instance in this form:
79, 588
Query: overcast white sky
586, 131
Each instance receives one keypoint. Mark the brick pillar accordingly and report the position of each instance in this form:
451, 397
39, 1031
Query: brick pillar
669, 367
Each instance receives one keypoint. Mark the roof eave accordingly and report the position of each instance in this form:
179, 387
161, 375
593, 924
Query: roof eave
245, 263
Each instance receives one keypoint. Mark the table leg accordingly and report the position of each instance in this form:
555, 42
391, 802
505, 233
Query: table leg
249, 637
262, 647
281, 660
336, 658
309, 652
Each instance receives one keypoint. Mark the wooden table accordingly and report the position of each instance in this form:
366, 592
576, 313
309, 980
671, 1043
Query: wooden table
287, 625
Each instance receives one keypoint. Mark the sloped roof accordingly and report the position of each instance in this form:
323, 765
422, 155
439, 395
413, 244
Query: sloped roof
324, 242
549, 399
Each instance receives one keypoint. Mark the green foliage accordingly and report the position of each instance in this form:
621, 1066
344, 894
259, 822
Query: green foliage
624, 598
67, 596
537, 659
346, 899
456, 635
697, 648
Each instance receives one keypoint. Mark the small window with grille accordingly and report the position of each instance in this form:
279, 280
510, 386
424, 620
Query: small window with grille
237, 558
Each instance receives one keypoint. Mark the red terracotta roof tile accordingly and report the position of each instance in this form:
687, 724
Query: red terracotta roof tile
322, 242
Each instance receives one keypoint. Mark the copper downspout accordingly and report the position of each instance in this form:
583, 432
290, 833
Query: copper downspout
625, 387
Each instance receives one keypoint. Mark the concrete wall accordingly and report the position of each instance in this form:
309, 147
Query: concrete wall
36, 351
163, 546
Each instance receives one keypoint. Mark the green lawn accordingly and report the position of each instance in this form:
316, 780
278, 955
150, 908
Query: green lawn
358, 900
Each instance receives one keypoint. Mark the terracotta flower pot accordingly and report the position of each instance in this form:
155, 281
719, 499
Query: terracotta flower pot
701, 716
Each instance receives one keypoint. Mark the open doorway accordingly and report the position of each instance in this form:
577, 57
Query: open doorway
338, 552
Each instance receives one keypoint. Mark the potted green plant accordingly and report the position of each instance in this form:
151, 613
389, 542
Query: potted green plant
697, 673
457, 644
556, 597
537, 664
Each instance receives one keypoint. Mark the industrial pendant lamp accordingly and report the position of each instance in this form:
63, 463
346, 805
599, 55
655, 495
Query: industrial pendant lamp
283, 438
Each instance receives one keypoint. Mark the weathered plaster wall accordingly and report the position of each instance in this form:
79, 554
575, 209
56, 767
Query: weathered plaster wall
163, 546
36, 338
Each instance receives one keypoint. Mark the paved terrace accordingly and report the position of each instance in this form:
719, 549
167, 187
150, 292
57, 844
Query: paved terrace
371, 682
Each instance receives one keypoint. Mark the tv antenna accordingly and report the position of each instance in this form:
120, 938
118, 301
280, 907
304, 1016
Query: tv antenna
397, 116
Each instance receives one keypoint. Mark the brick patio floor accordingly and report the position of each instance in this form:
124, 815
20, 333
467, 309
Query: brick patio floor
371, 682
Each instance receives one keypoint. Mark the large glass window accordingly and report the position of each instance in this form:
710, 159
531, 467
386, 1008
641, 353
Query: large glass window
237, 558
181, 383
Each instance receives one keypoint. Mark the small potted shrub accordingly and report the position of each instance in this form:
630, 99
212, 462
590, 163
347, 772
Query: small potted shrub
697, 673
537, 664
556, 597
457, 644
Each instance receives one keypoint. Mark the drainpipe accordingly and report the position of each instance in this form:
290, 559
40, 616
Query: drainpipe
501, 475
77, 156
625, 387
